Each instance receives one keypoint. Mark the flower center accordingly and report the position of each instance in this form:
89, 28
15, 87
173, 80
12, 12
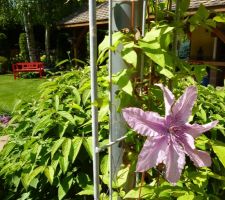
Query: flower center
174, 129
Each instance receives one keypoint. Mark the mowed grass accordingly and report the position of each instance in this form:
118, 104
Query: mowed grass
13, 90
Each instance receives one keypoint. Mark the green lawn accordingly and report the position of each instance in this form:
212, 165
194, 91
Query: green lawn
12, 90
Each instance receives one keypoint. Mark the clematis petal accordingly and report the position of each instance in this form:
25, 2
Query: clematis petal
152, 153
145, 123
175, 162
183, 106
168, 98
196, 130
200, 158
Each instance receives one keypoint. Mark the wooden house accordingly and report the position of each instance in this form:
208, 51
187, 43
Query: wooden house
206, 47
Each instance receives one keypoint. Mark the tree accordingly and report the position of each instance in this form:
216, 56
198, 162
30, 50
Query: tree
20, 11
29, 12
53, 11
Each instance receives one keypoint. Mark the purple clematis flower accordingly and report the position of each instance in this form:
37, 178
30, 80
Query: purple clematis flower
171, 137
4, 119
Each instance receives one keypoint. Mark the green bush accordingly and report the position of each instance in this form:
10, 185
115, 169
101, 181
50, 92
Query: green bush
49, 154
3, 64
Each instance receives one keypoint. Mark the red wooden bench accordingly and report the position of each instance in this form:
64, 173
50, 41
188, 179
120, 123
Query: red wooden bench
27, 67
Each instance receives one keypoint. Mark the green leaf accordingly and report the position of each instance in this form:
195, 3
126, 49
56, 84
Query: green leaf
146, 193
202, 12
56, 102
201, 142
62, 128
186, 197
56, 146
153, 51
156, 33
88, 190
66, 145
55, 163
123, 81
64, 187
121, 178
7, 149
103, 113
62, 62
25, 196
219, 149
27, 178
220, 18
105, 43
152, 35
67, 115
42, 124
129, 54
86, 95
75, 148
115, 196
202, 114
184, 5
87, 142
77, 96
104, 166
216, 176
79, 61
64, 163
166, 73
49, 173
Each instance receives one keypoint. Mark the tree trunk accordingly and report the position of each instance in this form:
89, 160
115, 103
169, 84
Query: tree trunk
47, 42
30, 37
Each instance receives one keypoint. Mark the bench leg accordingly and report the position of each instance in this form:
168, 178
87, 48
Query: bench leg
14, 75
41, 74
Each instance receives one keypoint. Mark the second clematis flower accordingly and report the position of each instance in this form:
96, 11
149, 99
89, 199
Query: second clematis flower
169, 138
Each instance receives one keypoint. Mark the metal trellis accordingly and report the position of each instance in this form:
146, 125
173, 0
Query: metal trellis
112, 110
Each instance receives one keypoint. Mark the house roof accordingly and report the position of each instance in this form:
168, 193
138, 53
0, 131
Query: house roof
81, 18
206, 3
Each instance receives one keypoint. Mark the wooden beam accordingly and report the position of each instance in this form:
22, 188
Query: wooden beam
219, 34
82, 24
203, 62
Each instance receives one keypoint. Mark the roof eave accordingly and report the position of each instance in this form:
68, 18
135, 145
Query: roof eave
72, 25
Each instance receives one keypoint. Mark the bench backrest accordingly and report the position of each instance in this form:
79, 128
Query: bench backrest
28, 65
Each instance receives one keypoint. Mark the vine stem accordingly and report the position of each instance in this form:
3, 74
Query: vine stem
142, 181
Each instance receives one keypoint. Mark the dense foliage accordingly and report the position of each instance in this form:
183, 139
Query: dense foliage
49, 153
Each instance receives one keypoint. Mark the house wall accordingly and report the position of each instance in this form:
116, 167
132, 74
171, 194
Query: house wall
201, 39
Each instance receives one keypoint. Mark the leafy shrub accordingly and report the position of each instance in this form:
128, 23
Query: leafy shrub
29, 75
3, 64
49, 154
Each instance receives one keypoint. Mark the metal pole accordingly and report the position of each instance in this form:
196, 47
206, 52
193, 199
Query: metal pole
143, 34
213, 71
175, 36
93, 56
110, 103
